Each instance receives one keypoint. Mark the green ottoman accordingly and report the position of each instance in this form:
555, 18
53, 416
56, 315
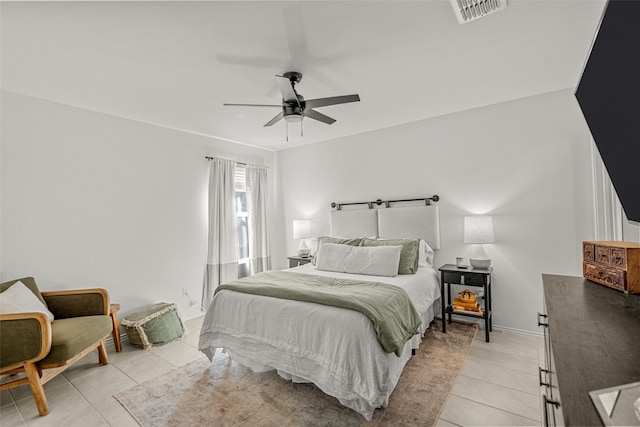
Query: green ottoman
157, 324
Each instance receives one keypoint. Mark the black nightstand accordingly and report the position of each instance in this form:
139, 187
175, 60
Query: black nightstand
296, 260
452, 275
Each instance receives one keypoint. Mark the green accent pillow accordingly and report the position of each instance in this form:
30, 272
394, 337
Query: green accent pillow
356, 241
408, 255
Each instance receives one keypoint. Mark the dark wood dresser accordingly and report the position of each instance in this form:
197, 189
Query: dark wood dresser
592, 335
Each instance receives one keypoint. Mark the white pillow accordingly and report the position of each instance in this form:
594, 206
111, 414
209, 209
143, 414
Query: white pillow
19, 299
369, 260
425, 253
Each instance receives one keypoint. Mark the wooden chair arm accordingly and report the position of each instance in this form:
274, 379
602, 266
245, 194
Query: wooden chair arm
77, 302
17, 346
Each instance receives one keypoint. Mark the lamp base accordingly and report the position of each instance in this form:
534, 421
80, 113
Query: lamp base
303, 249
482, 264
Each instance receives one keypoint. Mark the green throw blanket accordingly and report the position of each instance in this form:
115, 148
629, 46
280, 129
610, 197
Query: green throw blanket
389, 308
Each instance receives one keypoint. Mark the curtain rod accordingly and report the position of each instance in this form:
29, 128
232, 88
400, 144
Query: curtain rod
427, 202
237, 163
211, 158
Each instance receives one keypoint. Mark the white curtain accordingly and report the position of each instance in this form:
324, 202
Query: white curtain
259, 255
222, 256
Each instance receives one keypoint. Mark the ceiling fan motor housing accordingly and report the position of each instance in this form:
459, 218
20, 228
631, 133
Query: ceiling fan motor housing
293, 111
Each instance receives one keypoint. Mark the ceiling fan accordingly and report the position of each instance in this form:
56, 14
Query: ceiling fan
295, 107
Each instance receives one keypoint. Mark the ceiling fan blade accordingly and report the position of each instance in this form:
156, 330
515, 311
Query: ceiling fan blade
323, 102
278, 117
286, 87
252, 105
313, 114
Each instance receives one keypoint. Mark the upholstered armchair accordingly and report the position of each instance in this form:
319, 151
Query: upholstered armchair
33, 349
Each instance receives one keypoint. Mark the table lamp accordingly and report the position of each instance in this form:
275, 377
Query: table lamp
302, 231
478, 230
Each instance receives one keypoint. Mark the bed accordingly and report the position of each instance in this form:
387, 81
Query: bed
335, 348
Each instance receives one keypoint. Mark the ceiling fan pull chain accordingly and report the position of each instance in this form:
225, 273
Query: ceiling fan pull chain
301, 132
287, 126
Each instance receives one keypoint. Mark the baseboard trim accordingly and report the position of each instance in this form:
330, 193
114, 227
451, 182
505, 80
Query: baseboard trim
123, 337
480, 323
517, 331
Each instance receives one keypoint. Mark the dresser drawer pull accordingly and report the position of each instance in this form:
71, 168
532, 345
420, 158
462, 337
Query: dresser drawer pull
547, 401
540, 371
542, 316
545, 407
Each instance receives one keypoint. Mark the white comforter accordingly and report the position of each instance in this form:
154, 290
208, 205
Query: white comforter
334, 348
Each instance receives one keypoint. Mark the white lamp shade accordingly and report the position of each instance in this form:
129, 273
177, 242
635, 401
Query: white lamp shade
301, 229
478, 229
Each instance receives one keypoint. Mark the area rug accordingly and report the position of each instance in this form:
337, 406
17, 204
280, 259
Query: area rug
224, 393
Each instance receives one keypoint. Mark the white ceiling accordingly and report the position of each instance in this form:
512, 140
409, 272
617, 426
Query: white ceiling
175, 63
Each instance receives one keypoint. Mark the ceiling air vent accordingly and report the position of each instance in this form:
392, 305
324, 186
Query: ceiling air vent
468, 10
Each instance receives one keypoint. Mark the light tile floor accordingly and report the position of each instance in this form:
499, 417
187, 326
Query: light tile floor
498, 385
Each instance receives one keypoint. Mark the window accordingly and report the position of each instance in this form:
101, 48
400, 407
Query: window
241, 214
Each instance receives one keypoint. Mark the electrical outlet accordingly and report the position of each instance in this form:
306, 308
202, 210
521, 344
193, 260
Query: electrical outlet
186, 294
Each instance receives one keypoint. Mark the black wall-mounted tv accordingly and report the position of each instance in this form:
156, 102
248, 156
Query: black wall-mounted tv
609, 95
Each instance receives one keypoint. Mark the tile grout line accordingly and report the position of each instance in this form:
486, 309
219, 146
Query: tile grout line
451, 422
17, 411
89, 403
499, 409
495, 364
499, 385
495, 407
511, 354
96, 409
537, 361
479, 360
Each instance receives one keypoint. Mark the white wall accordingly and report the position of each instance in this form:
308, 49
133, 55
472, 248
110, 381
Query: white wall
527, 162
92, 200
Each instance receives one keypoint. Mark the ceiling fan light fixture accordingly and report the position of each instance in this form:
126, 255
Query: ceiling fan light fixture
470, 10
293, 118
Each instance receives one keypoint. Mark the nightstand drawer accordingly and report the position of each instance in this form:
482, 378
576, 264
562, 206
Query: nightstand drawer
295, 261
451, 277
471, 279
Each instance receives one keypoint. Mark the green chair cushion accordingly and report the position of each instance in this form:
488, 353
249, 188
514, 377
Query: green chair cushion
71, 336
26, 332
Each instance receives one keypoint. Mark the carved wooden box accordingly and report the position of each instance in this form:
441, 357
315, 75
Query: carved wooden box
612, 263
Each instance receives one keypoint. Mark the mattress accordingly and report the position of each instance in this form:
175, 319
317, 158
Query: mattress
334, 348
